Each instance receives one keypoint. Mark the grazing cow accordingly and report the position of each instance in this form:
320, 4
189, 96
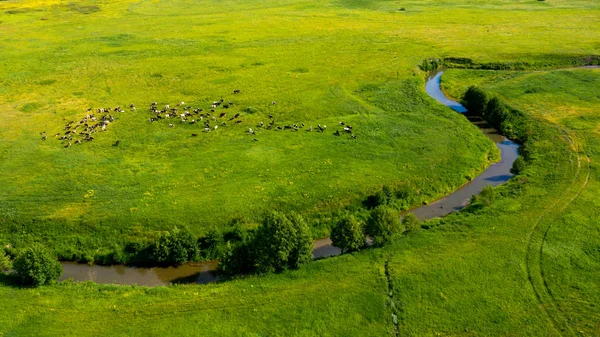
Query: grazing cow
279, 128
271, 116
216, 127
348, 130
77, 141
236, 91
171, 125
68, 145
131, 106
238, 121
353, 135
310, 129
194, 135
274, 102
223, 114
341, 123
236, 115
225, 106
206, 129
193, 122
44, 137
117, 142
224, 123
256, 140
337, 133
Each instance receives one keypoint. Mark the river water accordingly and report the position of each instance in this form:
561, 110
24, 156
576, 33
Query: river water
206, 272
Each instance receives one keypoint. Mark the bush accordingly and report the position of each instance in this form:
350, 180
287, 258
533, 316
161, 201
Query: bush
382, 225
411, 223
280, 242
174, 247
348, 234
487, 195
5, 264
212, 245
475, 101
518, 165
37, 266
237, 259
430, 64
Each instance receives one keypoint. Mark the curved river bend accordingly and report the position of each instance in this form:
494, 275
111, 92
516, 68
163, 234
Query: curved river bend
206, 272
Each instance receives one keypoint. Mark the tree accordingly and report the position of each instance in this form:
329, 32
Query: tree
518, 166
475, 101
174, 247
303, 245
275, 241
37, 266
348, 234
411, 223
382, 225
496, 113
5, 264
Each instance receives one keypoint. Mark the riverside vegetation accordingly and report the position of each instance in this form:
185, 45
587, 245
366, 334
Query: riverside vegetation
520, 260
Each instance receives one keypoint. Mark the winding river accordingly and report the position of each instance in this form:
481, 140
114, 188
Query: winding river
205, 272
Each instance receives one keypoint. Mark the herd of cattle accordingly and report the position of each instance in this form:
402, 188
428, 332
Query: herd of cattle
98, 120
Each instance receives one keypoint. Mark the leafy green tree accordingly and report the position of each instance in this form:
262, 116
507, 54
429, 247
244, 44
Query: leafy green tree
382, 225
518, 166
411, 223
496, 113
37, 266
303, 245
5, 264
475, 100
175, 247
348, 234
275, 241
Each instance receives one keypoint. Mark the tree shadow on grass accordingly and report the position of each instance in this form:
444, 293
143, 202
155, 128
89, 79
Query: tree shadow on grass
10, 280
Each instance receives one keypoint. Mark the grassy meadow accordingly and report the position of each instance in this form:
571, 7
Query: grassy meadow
526, 264
321, 62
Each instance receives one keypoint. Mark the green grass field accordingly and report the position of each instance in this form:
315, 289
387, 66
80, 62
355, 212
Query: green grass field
525, 265
322, 62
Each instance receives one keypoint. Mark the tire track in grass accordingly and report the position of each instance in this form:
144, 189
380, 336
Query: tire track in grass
537, 237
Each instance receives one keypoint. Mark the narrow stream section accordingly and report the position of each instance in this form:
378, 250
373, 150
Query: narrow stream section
206, 272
